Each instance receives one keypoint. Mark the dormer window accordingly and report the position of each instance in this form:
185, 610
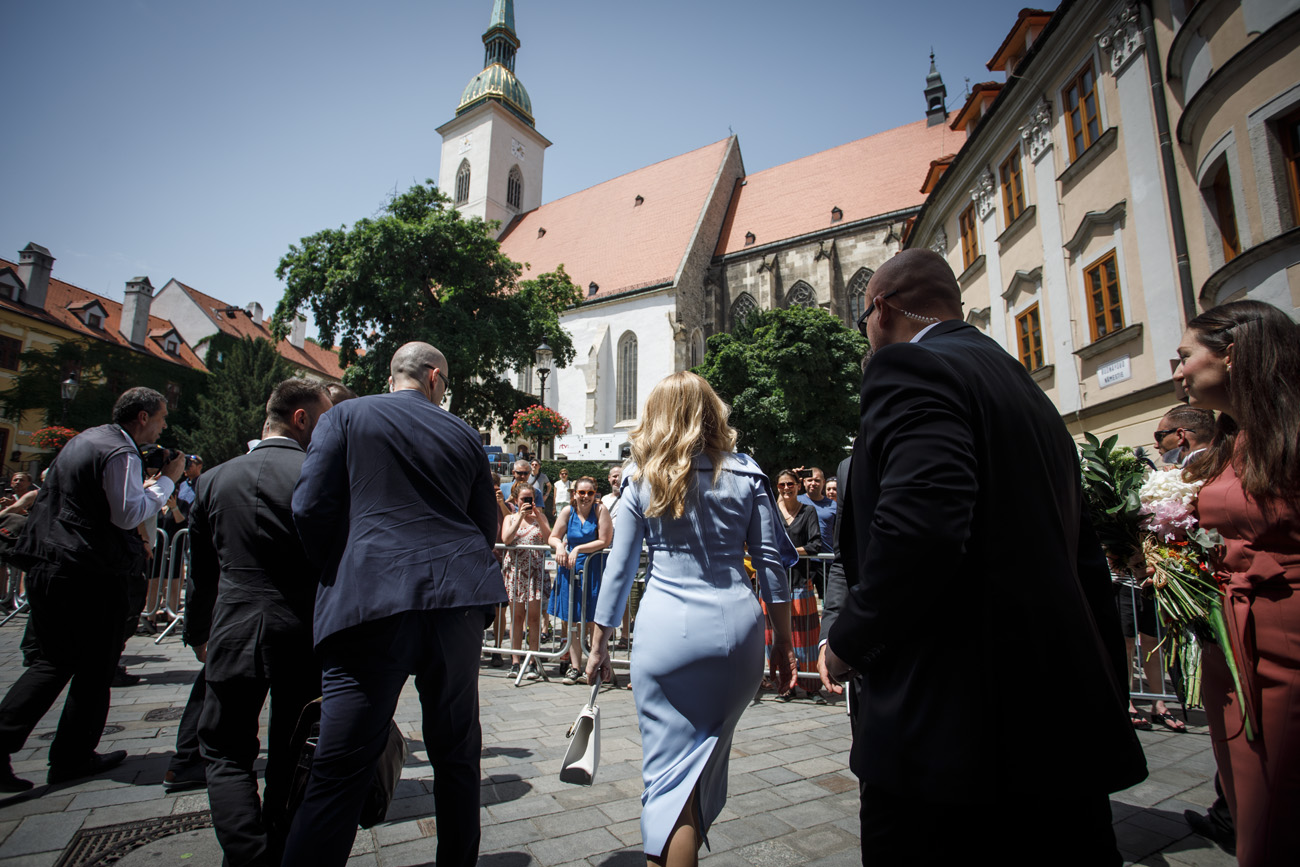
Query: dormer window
91, 313
94, 320
171, 345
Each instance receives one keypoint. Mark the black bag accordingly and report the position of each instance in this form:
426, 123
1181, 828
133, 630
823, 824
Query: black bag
11, 530
388, 770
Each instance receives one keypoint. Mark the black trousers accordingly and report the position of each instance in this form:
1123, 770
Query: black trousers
249, 833
904, 831
187, 733
365, 668
76, 621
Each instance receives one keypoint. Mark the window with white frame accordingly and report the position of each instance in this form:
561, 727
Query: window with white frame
625, 399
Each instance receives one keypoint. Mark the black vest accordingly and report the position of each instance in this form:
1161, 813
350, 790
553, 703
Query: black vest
70, 526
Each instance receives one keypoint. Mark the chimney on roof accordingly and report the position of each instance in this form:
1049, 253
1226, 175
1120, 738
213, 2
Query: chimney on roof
255, 311
135, 310
298, 333
936, 96
34, 266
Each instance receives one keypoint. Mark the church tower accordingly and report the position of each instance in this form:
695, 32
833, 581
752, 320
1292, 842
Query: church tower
936, 96
491, 153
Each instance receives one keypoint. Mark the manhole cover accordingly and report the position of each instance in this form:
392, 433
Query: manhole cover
160, 714
108, 730
100, 847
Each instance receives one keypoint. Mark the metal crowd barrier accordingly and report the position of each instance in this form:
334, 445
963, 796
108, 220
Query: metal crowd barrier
1125, 583
172, 571
15, 600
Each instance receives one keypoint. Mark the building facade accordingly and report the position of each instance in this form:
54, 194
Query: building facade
1082, 244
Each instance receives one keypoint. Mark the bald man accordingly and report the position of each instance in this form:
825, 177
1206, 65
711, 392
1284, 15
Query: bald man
395, 505
971, 566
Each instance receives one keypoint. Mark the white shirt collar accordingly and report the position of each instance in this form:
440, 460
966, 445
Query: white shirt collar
922, 332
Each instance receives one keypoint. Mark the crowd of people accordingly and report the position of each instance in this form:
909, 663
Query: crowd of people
361, 541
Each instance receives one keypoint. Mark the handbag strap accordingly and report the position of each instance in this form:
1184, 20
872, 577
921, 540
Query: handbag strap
595, 688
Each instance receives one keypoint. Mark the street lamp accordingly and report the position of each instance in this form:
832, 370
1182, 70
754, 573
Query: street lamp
542, 356
68, 388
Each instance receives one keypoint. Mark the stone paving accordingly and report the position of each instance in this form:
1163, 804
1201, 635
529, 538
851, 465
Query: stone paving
792, 797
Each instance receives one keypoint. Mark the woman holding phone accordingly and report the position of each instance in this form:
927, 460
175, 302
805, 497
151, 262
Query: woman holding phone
527, 582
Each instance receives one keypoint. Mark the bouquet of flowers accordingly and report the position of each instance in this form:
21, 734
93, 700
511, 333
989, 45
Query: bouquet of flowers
1147, 518
538, 423
53, 437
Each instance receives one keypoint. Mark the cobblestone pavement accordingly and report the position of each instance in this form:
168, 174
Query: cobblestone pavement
792, 797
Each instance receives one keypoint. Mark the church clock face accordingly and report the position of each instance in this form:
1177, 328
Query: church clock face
466, 143
516, 149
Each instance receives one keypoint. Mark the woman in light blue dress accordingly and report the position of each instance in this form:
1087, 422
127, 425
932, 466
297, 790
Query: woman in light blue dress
698, 655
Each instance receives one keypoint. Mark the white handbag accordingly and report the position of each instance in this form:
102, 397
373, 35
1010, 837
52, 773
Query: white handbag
583, 754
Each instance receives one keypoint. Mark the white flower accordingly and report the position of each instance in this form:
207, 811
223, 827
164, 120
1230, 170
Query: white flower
1167, 486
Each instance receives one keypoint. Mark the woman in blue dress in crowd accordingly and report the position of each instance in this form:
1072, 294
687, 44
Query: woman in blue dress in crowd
581, 529
698, 655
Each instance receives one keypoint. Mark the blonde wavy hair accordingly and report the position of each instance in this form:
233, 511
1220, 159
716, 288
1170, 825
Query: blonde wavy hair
683, 417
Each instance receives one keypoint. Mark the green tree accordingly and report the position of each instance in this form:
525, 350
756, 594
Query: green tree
104, 371
792, 378
233, 409
418, 271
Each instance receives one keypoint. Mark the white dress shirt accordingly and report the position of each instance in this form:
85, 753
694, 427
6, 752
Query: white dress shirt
129, 501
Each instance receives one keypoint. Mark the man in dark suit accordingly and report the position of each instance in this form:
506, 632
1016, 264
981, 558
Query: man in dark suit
836, 589
972, 566
396, 506
248, 617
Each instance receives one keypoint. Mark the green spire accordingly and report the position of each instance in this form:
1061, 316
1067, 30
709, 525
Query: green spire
503, 15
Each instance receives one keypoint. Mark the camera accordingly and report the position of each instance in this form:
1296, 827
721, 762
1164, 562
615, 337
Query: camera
155, 457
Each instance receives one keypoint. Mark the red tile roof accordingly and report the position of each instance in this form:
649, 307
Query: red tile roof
602, 235
1015, 44
864, 178
63, 298
239, 323
937, 168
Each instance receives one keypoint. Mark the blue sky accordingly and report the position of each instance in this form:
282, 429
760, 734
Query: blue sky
198, 140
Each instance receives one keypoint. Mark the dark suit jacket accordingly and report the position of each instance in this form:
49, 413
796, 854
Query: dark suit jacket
396, 505
979, 594
252, 586
836, 585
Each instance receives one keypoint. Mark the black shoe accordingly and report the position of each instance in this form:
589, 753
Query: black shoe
124, 677
11, 783
97, 765
186, 779
1201, 824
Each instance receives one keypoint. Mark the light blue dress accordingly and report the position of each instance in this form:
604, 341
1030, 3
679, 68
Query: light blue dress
697, 658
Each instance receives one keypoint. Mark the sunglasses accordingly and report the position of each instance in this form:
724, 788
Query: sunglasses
1161, 434
866, 314
584, 493
787, 484
521, 472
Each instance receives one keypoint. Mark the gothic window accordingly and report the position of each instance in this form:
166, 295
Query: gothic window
801, 295
625, 400
857, 292
462, 183
697, 348
524, 379
742, 307
515, 188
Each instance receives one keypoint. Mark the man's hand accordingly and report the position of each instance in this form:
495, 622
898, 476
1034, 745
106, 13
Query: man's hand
829, 681
201, 652
836, 667
175, 468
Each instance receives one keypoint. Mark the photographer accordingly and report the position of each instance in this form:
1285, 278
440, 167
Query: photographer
78, 552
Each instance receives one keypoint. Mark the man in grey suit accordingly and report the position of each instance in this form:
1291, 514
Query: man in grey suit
397, 508
248, 617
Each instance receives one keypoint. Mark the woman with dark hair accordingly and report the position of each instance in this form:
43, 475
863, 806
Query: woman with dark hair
1242, 360
800, 520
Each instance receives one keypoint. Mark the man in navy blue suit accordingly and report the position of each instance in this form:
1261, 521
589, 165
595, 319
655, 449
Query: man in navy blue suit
396, 504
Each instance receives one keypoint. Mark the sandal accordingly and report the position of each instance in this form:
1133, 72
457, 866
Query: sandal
1169, 721
1139, 721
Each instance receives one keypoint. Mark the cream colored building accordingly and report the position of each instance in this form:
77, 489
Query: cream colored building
1081, 244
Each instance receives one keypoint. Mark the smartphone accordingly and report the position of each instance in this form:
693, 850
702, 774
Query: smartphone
805, 474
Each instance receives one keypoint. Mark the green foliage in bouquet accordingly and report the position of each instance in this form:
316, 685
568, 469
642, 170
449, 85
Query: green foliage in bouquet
1112, 478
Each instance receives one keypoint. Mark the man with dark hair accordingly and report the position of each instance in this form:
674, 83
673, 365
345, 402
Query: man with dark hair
1184, 431
339, 392
78, 551
248, 618
395, 506
961, 466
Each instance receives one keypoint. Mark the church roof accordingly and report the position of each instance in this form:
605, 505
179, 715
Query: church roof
497, 82
625, 234
866, 178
